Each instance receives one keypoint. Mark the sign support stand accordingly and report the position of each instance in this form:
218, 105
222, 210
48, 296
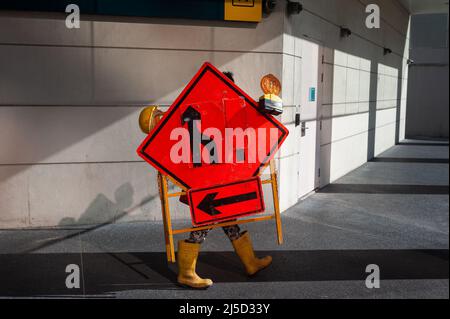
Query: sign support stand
168, 234
169, 231
276, 203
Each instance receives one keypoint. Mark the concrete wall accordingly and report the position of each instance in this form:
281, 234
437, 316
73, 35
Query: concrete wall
70, 99
363, 98
428, 103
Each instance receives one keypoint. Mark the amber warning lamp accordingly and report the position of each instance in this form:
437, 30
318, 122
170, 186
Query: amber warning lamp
149, 117
270, 102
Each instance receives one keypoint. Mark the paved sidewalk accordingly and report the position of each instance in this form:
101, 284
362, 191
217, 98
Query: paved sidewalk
392, 211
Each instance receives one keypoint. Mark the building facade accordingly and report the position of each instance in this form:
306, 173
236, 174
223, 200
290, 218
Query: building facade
70, 100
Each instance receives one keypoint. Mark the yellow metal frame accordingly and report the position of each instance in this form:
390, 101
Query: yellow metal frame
163, 183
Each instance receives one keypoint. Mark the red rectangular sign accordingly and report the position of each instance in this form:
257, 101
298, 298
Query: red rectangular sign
225, 202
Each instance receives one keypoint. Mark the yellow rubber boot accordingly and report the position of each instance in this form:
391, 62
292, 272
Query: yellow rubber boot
187, 260
244, 249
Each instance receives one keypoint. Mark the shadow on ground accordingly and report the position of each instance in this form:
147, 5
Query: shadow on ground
103, 274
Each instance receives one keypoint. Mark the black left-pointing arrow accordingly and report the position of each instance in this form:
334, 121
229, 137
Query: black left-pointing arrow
209, 203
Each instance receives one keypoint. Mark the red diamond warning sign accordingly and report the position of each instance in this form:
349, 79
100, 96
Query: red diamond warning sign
213, 134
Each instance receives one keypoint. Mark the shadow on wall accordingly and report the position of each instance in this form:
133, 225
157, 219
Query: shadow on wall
326, 126
372, 122
104, 210
100, 213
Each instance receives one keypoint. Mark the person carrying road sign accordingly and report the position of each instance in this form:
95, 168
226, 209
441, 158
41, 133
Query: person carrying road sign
239, 197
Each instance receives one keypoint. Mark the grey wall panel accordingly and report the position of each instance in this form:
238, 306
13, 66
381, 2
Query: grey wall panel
50, 29
117, 76
428, 102
39, 29
14, 203
60, 134
429, 31
45, 75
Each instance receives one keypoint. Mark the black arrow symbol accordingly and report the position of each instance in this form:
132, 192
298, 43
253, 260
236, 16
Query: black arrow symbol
209, 203
189, 116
